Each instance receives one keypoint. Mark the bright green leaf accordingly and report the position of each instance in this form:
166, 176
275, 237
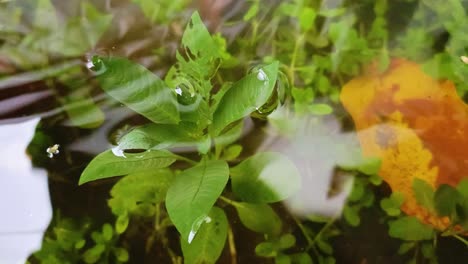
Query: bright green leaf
121, 254
193, 194
320, 109
265, 249
245, 96
265, 178
121, 223
307, 18
107, 164
209, 242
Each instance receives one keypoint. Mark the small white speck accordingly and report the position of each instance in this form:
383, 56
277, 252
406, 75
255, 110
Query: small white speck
178, 90
54, 150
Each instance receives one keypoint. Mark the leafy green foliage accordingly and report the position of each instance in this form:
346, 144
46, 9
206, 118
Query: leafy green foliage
193, 194
139, 193
265, 178
107, 164
424, 193
104, 246
161, 11
138, 88
209, 242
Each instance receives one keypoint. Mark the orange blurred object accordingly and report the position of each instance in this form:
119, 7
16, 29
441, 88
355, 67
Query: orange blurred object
417, 125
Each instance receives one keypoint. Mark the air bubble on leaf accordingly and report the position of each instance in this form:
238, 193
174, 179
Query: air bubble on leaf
261, 76
117, 151
196, 226
96, 65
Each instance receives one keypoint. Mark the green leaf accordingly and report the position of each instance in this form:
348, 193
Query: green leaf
320, 109
282, 259
405, 247
139, 193
245, 96
138, 88
107, 164
193, 194
301, 258
121, 254
462, 188
93, 254
410, 229
121, 223
266, 177
392, 204
307, 18
265, 249
445, 200
286, 241
107, 232
208, 245
232, 152
259, 218
203, 56
351, 215
160, 136
324, 246
252, 12
424, 193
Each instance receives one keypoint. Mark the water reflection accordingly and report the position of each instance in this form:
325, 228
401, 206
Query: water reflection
25, 203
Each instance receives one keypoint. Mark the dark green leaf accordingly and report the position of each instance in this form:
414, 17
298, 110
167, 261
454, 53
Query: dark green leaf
265, 178
259, 218
107, 164
139, 89
324, 246
207, 246
282, 259
193, 194
245, 96
445, 199
409, 228
405, 247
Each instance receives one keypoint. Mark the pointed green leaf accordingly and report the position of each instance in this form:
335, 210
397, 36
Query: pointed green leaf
245, 96
193, 194
266, 177
209, 243
138, 88
259, 218
424, 193
107, 164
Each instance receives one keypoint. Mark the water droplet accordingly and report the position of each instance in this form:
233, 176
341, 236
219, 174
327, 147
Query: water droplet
196, 226
54, 150
178, 90
185, 94
96, 65
261, 75
117, 151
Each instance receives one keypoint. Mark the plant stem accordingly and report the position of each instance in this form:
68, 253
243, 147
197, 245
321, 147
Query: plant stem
461, 239
229, 201
232, 246
192, 162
